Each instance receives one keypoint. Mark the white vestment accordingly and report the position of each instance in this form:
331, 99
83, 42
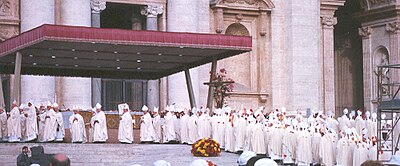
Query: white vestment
214, 126
343, 152
229, 137
3, 126
157, 128
77, 128
14, 125
31, 127
49, 130
41, 124
100, 127
147, 133
22, 120
249, 136
344, 120
203, 126
192, 129
125, 128
183, 128
258, 139
315, 147
359, 124
91, 130
240, 133
177, 128
360, 154
169, 128
327, 150
59, 126
304, 154
276, 142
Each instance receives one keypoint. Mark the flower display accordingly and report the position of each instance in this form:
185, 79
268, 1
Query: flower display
206, 147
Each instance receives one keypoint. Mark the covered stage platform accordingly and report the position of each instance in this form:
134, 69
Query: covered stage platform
56, 50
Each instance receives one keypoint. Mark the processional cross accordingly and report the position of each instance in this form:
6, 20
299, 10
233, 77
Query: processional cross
219, 90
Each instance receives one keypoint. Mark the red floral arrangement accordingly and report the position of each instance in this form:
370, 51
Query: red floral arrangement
206, 147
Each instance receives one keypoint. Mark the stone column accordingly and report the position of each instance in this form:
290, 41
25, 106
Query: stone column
74, 90
96, 7
153, 86
33, 14
365, 33
327, 11
328, 63
182, 11
17, 78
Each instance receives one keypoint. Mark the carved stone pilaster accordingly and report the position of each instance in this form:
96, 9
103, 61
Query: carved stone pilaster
328, 21
393, 27
97, 5
365, 32
151, 10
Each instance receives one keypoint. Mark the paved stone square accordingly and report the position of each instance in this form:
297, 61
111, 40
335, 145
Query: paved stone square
116, 154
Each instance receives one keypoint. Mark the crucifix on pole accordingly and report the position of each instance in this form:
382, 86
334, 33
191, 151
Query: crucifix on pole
221, 86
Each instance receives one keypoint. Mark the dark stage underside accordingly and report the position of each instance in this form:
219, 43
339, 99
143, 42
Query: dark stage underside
114, 53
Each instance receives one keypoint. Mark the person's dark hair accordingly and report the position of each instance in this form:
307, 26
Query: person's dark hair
60, 160
371, 163
253, 160
25, 147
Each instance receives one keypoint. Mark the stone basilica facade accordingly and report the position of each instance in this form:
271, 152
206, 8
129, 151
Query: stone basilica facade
307, 55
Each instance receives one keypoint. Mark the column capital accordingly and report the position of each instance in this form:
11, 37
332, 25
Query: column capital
97, 5
328, 21
365, 32
393, 27
152, 10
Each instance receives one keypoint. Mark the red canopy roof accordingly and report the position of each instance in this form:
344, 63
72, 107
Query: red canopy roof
114, 53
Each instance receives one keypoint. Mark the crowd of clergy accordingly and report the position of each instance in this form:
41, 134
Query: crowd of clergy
320, 139
348, 140
27, 123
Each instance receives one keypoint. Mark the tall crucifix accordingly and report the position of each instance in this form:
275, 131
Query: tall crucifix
218, 91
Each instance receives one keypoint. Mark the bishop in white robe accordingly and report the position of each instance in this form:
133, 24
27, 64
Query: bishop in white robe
169, 127
125, 129
50, 124
192, 128
147, 133
14, 125
77, 127
99, 125
31, 123
240, 133
156, 125
59, 126
3, 125
304, 154
183, 128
